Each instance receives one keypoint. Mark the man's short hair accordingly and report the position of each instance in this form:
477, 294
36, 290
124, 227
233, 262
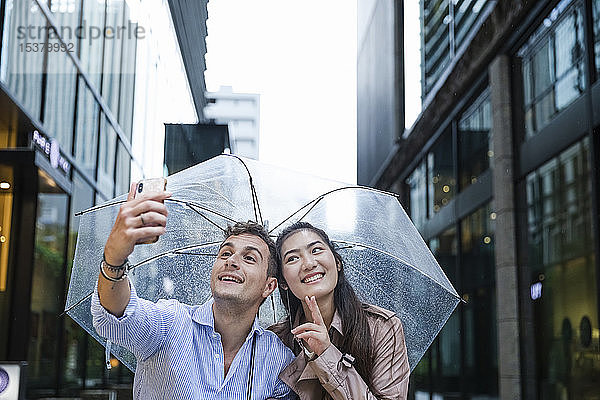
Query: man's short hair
256, 229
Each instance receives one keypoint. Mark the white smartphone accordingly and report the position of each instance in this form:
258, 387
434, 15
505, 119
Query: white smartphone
147, 186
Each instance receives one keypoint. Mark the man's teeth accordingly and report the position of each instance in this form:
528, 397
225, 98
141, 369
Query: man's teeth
313, 278
231, 279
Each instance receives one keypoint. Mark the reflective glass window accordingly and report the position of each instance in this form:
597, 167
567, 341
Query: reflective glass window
59, 107
22, 62
553, 65
47, 285
596, 19
474, 141
563, 275
107, 151
127, 86
417, 186
61, 78
86, 128
446, 26
478, 288
436, 37
440, 169
73, 352
123, 175
9, 121
6, 203
92, 41
446, 349
113, 43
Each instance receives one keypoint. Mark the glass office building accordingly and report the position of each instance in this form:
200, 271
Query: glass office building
73, 103
500, 175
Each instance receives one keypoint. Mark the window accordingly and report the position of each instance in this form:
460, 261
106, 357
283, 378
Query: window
440, 170
563, 274
463, 359
61, 79
446, 26
478, 287
47, 285
553, 65
21, 70
86, 128
417, 185
596, 17
474, 141
107, 151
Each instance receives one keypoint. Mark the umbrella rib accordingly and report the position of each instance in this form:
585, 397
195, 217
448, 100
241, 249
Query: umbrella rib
204, 216
257, 213
314, 201
256, 201
78, 303
174, 251
399, 259
95, 208
320, 197
187, 203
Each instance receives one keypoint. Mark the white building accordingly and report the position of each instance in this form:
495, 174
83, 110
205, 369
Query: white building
241, 112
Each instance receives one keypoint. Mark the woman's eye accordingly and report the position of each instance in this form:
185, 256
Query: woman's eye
291, 259
317, 250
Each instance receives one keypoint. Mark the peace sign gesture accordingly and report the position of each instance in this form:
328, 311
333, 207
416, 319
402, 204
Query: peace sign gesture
315, 333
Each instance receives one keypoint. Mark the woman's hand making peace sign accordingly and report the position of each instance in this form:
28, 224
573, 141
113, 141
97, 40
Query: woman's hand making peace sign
315, 333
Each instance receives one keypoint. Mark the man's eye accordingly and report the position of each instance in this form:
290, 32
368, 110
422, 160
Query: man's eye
250, 258
225, 254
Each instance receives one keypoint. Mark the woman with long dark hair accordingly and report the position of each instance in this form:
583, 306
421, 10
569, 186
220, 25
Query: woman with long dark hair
345, 349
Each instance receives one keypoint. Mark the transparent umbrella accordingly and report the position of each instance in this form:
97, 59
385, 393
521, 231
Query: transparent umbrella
385, 257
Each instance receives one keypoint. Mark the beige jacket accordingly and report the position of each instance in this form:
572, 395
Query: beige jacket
327, 378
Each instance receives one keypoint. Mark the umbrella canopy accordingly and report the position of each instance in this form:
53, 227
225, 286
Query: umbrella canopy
385, 258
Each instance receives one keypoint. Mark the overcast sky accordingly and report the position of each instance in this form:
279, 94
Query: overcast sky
301, 58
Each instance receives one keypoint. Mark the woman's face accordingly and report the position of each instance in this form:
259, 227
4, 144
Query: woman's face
309, 267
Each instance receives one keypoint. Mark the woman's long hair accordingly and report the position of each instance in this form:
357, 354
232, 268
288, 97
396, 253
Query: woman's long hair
355, 328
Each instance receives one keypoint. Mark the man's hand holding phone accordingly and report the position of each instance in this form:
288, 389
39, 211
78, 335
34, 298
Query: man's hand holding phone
141, 219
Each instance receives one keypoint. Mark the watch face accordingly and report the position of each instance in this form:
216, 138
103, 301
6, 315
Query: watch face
3, 380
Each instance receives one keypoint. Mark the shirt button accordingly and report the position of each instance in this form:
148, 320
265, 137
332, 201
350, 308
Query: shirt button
216, 356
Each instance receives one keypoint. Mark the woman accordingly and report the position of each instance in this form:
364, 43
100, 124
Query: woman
345, 349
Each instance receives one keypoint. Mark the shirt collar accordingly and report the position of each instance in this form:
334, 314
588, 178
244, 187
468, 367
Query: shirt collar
204, 316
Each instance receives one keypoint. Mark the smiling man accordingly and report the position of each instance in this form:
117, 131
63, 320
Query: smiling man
216, 350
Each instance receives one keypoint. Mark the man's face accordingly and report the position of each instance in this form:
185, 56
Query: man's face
239, 273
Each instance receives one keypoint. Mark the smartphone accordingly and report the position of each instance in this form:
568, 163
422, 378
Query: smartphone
147, 186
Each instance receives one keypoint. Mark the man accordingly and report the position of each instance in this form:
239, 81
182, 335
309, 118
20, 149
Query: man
216, 350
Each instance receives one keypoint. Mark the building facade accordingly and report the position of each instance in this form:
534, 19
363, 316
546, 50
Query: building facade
241, 113
500, 175
80, 86
380, 84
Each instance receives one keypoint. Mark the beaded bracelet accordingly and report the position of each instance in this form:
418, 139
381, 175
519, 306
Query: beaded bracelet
114, 268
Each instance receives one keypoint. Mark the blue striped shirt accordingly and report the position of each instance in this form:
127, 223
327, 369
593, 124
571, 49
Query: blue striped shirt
180, 355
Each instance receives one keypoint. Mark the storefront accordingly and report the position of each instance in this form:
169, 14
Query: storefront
63, 148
